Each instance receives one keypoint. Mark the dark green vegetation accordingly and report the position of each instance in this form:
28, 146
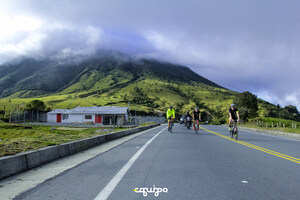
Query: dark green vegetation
19, 138
37, 105
117, 79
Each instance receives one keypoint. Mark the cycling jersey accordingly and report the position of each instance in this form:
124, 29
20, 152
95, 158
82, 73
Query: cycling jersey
170, 113
233, 113
196, 115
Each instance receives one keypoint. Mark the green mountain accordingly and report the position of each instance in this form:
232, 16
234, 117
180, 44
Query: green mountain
111, 78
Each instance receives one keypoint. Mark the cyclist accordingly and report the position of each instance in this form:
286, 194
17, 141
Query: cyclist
196, 117
234, 115
170, 115
187, 117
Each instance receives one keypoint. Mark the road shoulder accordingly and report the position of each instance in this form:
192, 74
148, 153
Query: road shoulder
11, 187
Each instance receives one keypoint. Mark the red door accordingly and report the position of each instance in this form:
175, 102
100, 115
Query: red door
98, 119
58, 118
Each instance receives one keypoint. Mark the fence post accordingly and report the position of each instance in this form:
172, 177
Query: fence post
283, 125
267, 124
292, 125
272, 125
277, 125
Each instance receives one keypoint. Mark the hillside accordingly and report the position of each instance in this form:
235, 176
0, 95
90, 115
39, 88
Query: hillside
29, 77
113, 79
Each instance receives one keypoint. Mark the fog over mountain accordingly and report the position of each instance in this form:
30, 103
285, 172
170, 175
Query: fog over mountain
241, 45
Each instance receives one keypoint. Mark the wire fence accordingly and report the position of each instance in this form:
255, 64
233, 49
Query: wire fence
24, 116
138, 120
274, 124
36, 117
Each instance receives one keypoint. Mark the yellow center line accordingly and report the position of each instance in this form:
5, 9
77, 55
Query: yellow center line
284, 156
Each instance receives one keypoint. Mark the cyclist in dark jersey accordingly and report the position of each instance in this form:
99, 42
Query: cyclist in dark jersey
233, 114
196, 116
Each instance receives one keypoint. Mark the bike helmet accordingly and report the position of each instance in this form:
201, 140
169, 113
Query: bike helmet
232, 105
170, 107
196, 108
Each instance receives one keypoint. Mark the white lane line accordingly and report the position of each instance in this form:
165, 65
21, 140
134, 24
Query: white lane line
104, 194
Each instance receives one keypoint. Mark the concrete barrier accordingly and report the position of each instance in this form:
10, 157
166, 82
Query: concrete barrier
12, 165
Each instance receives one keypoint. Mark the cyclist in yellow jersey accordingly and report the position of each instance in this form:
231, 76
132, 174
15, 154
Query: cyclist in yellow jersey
170, 115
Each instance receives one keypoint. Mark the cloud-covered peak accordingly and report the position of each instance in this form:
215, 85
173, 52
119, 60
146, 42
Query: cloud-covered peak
241, 45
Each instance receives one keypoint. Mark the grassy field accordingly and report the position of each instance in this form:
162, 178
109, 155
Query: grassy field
286, 130
19, 138
266, 124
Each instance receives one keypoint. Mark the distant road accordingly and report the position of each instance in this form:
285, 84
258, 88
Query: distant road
182, 165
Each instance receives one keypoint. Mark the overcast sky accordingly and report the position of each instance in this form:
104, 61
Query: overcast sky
243, 45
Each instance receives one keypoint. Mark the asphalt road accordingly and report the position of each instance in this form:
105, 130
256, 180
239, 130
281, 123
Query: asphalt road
182, 165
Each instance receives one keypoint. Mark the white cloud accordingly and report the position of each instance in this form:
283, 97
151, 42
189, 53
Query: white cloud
234, 43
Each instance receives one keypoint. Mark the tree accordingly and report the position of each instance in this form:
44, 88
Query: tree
292, 109
36, 105
247, 103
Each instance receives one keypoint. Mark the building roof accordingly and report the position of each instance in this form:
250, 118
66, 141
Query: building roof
92, 110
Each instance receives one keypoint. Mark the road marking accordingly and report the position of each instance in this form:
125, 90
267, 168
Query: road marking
107, 190
284, 156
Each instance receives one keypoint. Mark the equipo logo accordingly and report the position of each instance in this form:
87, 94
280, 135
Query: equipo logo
155, 190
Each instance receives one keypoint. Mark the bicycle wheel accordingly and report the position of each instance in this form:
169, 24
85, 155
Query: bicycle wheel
197, 128
236, 134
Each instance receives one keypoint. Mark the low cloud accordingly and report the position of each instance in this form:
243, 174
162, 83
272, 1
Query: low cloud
251, 45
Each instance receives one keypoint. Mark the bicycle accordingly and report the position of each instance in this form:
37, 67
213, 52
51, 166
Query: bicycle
171, 125
234, 130
197, 127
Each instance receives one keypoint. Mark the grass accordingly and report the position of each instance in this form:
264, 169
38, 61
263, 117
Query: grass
286, 130
266, 124
147, 123
19, 138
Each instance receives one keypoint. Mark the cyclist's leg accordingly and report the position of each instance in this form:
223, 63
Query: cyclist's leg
229, 122
169, 121
197, 124
235, 126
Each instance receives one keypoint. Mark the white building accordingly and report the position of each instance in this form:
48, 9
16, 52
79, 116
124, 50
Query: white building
98, 115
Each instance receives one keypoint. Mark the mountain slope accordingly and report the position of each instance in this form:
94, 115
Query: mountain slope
46, 77
150, 86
